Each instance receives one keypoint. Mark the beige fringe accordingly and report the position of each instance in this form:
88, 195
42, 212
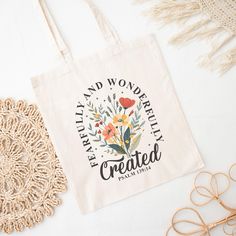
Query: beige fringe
169, 11
226, 61
181, 11
206, 61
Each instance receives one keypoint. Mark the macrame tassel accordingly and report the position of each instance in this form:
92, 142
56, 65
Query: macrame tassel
199, 30
189, 33
207, 60
169, 11
227, 61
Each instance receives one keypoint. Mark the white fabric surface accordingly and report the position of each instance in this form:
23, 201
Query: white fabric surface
208, 102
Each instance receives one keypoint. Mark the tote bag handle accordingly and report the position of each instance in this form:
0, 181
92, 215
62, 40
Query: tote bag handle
108, 32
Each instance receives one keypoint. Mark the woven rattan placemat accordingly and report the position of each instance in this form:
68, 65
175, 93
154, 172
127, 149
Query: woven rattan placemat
30, 173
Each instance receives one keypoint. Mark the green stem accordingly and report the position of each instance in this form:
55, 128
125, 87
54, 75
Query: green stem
121, 134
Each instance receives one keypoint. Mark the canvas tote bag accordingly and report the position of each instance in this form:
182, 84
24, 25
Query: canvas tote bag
114, 118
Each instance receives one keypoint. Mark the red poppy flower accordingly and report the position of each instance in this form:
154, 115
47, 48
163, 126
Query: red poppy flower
99, 131
97, 124
126, 102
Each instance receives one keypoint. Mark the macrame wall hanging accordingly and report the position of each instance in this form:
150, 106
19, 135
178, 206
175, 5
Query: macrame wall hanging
213, 20
30, 173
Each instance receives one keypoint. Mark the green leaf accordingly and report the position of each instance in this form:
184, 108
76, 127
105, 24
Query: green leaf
127, 138
117, 148
114, 96
142, 123
135, 144
109, 99
109, 109
139, 106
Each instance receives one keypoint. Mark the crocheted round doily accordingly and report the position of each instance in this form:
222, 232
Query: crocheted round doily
30, 173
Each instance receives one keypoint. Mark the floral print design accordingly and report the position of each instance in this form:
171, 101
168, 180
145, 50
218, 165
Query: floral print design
121, 120
118, 126
126, 102
109, 131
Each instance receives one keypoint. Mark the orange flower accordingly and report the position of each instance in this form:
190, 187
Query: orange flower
109, 131
126, 102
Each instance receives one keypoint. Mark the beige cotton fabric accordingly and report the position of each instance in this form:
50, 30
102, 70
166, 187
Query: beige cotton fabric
114, 119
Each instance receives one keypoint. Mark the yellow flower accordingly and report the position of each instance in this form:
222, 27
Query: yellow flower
97, 115
120, 120
110, 141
